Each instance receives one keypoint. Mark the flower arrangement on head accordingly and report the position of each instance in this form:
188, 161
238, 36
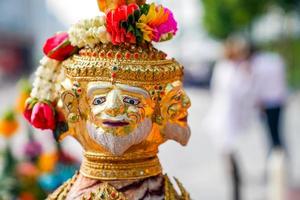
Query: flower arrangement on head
124, 22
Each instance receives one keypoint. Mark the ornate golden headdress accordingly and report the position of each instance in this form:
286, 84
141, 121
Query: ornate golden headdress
138, 65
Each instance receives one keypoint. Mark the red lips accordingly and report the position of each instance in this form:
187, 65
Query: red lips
115, 123
184, 119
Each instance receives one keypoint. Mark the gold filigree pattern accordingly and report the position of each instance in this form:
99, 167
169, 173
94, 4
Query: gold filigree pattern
120, 168
62, 192
171, 193
131, 65
105, 192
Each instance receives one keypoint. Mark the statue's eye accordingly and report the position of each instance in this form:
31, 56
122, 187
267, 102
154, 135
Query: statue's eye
177, 97
99, 100
131, 101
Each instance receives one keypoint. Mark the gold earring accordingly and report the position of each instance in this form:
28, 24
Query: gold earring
73, 118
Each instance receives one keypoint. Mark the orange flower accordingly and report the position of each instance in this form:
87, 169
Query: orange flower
25, 89
8, 128
8, 124
21, 101
105, 5
47, 162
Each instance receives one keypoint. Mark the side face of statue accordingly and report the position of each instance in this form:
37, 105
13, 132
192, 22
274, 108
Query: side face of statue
174, 110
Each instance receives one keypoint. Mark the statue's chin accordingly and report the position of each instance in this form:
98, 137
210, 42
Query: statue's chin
117, 145
178, 133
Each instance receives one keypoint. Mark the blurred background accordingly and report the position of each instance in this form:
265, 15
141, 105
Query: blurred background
271, 26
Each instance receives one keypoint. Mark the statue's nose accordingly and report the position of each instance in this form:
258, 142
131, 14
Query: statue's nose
114, 105
186, 102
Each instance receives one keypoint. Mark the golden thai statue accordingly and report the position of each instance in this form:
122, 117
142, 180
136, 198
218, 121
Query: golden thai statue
104, 84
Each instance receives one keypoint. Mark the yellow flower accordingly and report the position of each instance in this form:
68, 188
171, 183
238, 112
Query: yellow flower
147, 31
155, 17
20, 107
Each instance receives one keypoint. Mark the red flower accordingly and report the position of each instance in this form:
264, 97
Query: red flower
27, 113
114, 18
30, 102
59, 47
41, 116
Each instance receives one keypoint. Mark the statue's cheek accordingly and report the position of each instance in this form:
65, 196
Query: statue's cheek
97, 110
135, 114
173, 111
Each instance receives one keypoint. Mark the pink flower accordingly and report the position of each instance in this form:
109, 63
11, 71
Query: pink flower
168, 27
42, 116
59, 47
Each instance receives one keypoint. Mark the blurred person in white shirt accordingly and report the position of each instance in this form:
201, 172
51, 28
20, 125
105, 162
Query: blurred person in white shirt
233, 102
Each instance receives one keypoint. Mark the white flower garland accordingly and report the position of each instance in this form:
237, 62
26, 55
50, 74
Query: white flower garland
89, 32
47, 83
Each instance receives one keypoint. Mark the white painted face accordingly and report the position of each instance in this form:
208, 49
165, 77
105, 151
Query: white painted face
120, 115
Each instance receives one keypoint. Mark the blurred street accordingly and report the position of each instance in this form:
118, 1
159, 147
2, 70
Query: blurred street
201, 169
199, 166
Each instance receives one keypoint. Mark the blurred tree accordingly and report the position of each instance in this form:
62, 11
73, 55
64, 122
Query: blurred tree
287, 5
224, 17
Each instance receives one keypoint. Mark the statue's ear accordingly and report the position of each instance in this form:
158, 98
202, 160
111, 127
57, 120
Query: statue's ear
68, 114
70, 106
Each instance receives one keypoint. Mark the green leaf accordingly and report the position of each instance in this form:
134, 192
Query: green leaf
131, 29
139, 35
145, 9
124, 24
25, 85
131, 19
137, 15
32, 102
9, 115
9, 162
